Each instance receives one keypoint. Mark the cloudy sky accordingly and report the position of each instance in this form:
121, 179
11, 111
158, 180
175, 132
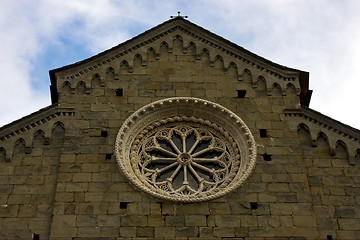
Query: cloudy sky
321, 37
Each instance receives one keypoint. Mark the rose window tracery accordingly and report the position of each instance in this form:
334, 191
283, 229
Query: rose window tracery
185, 159
185, 149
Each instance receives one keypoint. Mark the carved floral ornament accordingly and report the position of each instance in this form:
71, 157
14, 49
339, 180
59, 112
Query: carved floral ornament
185, 150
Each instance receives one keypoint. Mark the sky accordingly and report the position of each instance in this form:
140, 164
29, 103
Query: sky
321, 37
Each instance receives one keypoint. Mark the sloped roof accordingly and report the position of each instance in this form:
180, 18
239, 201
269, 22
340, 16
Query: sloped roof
156, 31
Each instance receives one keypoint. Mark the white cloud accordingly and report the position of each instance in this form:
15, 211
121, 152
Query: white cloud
319, 36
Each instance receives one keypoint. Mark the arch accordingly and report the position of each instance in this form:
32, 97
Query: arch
205, 55
178, 44
3, 155
191, 49
219, 62
66, 87
260, 83
164, 47
19, 147
138, 62
276, 90
81, 87
96, 81
246, 75
110, 74
124, 67
341, 150
39, 138
304, 134
323, 142
57, 134
357, 156
151, 55
290, 89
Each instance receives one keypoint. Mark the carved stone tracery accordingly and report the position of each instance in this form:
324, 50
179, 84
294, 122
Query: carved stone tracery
170, 151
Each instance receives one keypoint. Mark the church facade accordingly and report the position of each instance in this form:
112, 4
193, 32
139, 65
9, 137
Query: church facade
179, 134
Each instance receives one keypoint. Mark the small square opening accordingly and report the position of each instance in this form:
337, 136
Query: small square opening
35, 236
104, 133
108, 155
329, 237
123, 205
266, 157
253, 205
119, 92
263, 133
241, 93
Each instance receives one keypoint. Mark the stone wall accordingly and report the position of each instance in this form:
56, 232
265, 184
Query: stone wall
71, 187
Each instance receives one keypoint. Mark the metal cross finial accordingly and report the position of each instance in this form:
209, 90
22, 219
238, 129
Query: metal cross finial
178, 16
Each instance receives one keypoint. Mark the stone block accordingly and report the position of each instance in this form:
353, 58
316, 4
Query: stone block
134, 221
220, 208
145, 232
195, 220
227, 221
304, 221
165, 232
186, 231
224, 232
175, 221
156, 221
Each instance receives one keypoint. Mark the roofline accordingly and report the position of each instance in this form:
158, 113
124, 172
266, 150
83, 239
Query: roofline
305, 94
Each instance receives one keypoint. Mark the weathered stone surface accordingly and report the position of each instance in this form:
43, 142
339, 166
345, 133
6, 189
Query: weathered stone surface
63, 181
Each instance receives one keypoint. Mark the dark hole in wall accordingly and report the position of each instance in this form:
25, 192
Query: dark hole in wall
253, 205
241, 93
119, 92
266, 157
329, 237
104, 133
123, 205
35, 236
263, 133
108, 155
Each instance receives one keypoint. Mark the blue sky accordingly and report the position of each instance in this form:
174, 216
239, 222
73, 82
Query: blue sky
321, 37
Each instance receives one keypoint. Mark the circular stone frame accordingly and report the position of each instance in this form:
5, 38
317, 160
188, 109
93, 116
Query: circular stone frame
229, 131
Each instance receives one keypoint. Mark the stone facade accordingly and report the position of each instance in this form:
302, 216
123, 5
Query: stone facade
59, 177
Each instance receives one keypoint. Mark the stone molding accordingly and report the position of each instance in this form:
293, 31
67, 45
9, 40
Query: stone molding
334, 130
185, 111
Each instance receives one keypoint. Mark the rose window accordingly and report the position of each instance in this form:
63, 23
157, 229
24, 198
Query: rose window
185, 150
185, 160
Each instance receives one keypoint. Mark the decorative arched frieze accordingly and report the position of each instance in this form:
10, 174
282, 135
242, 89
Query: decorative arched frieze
246, 76
178, 45
275, 90
191, 49
81, 88
334, 132
341, 150
38, 138
218, 47
164, 48
260, 83
110, 74
66, 88
19, 147
151, 55
96, 81
233, 70
3, 156
218, 62
125, 67
138, 61
291, 89
304, 134
205, 56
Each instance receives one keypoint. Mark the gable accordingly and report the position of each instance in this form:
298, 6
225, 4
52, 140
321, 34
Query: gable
190, 43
